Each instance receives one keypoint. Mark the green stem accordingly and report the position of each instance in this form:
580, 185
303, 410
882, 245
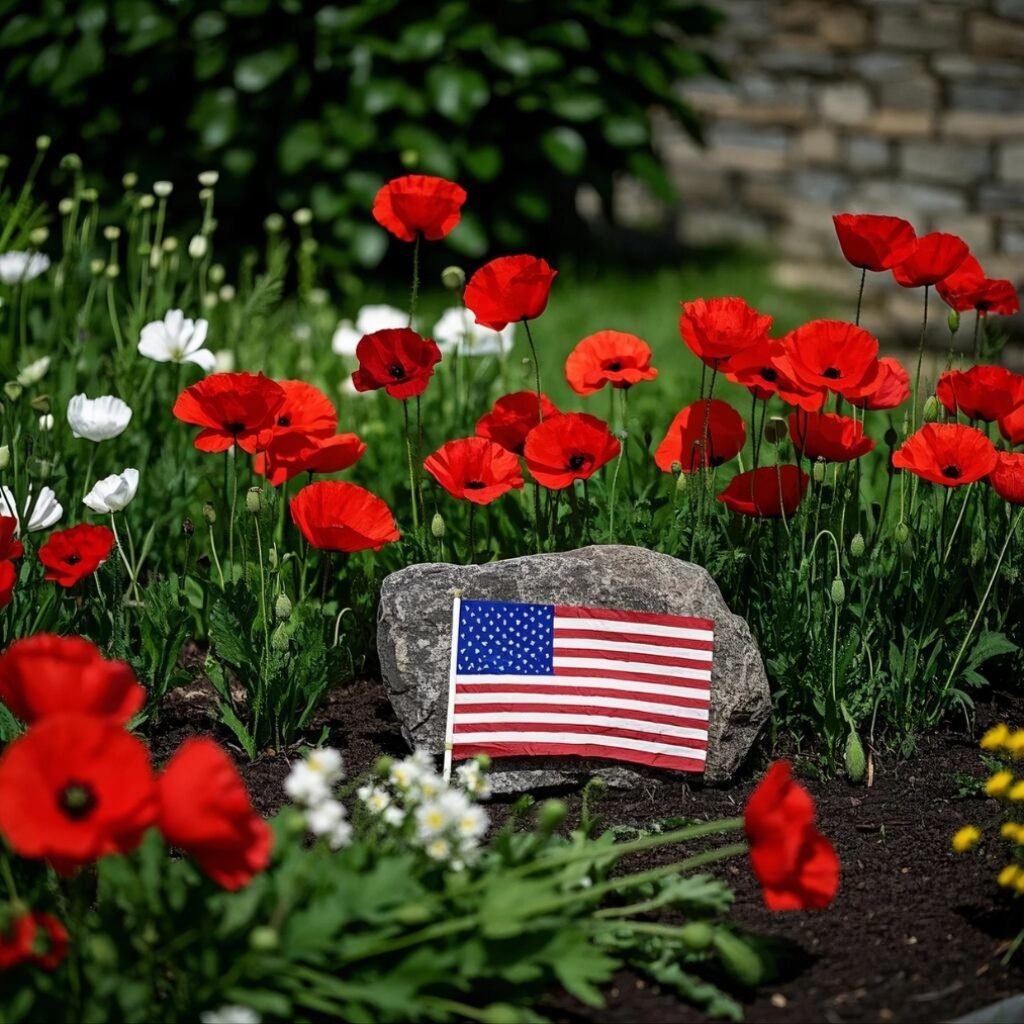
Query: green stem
920, 359
860, 294
415, 294
536, 369
412, 470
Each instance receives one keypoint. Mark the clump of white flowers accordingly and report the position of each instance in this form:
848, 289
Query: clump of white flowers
311, 784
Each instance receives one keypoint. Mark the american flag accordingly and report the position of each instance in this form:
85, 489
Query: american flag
542, 679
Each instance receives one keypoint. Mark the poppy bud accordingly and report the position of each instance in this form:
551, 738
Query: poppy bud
409, 157
253, 500
303, 216
89, 195
551, 814
13, 390
38, 236
70, 162
264, 939
146, 202
853, 756
437, 526
41, 403
113, 270
162, 189
901, 533
226, 293
953, 321
209, 513
46, 421
838, 591
102, 952
197, 247
931, 409
43, 143
283, 606
5, 456
273, 224
208, 178
272, 559
857, 545
738, 958
891, 437
696, 936
96, 267
217, 274
111, 232
681, 483
280, 639
129, 180
819, 472
188, 527
453, 278
775, 430
382, 766
65, 206
170, 244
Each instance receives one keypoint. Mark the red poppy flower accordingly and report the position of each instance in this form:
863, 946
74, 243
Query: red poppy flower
17, 941
568, 447
981, 392
419, 204
716, 329
338, 516
758, 369
305, 410
828, 436
8, 577
292, 454
74, 788
968, 288
1011, 426
931, 258
873, 241
513, 417
10, 546
396, 359
49, 941
71, 555
684, 442
232, 408
474, 469
947, 454
1007, 479
206, 812
796, 865
891, 386
768, 492
45, 675
831, 355
608, 357
508, 289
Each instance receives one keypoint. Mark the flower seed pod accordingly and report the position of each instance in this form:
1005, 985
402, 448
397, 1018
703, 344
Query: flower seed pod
891, 437
273, 224
208, 178
953, 321
819, 471
41, 403
857, 545
901, 533
65, 206
280, 638
38, 235
283, 606
853, 757
738, 958
111, 232
264, 939
682, 482
13, 390
129, 180
775, 430
43, 143
437, 527
453, 278
696, 936
931, 409
254, 500
70, 162
838, 591
551, 814
303, 216
209, 513
162, 189
188, 527
197, 247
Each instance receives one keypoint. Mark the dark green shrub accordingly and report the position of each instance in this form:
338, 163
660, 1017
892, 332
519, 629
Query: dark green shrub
299, 103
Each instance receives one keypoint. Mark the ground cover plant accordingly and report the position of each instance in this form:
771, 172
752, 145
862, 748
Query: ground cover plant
248, 495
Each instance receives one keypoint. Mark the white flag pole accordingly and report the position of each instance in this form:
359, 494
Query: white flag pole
449, 726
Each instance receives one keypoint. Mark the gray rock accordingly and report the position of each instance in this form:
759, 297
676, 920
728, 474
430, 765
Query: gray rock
414, 643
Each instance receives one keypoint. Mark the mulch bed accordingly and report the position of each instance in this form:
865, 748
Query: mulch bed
916, 933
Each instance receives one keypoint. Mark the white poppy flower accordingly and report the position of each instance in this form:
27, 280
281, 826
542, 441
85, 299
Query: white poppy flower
98, 419
325, 817
231, 1015
46, 421
34, 372
21, 267
177, 340
368, 320
113, 493
46, 512
457, 331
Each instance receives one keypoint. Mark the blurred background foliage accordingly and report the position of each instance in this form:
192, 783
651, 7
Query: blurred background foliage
300, 104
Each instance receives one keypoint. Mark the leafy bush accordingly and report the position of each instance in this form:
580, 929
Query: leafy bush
305, 104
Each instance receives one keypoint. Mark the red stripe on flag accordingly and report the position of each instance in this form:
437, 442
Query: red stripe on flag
633, 677
681, 764
597, 730
647, 618
586, 691
633, 638
647, 659
553, 709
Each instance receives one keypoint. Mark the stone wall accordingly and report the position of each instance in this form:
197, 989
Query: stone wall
907, 107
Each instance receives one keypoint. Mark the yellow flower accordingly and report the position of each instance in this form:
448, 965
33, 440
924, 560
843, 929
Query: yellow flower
1015, 744
996, 737
1016, 791
965, 838
1011, 830
1008, 876
999, 783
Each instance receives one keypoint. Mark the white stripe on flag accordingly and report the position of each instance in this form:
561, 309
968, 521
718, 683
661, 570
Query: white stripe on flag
588, 683
583, 701
610, 666
640, 628
537, 718
694, 653
580, 740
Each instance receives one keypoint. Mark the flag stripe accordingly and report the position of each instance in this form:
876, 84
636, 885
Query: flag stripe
656, 645
563, 611
661, 761
693, 717
615, 657
626, 670
634, 629
639, 728
560, 699
575, 738
585, 687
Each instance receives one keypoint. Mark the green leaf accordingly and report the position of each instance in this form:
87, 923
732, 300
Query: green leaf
82, 61
483, 162
255, 72
565, 148
302, 144
369, 243
580, 966
238, 729
626, 132
457, 92
579, 106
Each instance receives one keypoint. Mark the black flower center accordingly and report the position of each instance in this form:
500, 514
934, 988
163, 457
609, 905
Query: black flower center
397, 370
767, 373
614, 366
951, 472
832, 373
576, 461
234, 427
284, 421
475, 485
73, 559
77, 800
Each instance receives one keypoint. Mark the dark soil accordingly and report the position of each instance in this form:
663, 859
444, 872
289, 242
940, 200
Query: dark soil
917, 933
